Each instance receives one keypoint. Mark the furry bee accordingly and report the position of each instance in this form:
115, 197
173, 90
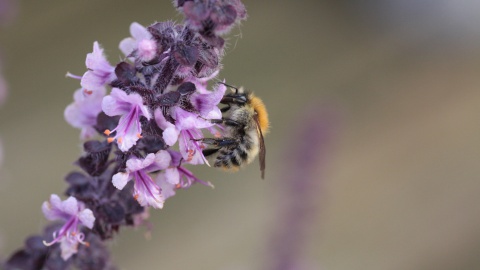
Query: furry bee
246, 121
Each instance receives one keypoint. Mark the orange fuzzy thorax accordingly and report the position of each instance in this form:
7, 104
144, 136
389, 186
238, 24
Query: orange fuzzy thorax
259, 107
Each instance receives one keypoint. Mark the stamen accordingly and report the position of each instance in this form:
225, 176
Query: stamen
139, 135
87, 92
55, 240
178, 186
73, 76
119, 140
107, 132
210, 185
49, 244
110, 140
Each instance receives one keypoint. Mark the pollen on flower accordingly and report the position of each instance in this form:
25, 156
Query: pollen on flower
178, 186
217, 134
191, 153
87, 92
119, 139
139, 135
136, 196
107, 132
110, 140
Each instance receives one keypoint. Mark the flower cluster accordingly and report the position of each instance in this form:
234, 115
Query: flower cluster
131, 115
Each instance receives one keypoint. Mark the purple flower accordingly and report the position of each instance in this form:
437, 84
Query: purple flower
146, 191
83, 112
188, 125
206, 102
100, 72
187, 131
74, 214
131, 108
177, 177
140, 44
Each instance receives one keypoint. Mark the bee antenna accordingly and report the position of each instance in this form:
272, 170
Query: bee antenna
228, 85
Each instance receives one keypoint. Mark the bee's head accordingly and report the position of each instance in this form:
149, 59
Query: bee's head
239, 96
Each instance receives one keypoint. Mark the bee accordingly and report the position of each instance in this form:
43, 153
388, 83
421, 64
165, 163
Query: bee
245, 120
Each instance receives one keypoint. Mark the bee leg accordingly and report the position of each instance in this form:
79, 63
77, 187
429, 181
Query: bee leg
226, 121
219, 142
210, 151
225, 109
233, 100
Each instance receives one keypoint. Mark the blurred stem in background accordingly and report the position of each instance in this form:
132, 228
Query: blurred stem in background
8, 11
307, 155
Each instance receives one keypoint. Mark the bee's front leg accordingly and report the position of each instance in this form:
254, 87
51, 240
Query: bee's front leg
225, 121
219, 142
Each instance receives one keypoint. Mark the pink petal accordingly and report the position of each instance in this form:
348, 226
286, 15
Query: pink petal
91, 81
129, 140
116, 103
172, 176
119, 180
68, 248
170, 136
139, 32
136, 164
161, 121
162, 159
87, 218
70, 206
96, 57
127, 46
168, 190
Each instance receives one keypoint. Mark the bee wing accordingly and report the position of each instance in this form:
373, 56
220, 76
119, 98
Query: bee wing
263, 151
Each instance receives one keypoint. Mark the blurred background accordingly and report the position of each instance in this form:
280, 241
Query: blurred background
375, 138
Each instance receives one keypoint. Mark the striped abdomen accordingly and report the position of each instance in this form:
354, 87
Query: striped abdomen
233, 157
